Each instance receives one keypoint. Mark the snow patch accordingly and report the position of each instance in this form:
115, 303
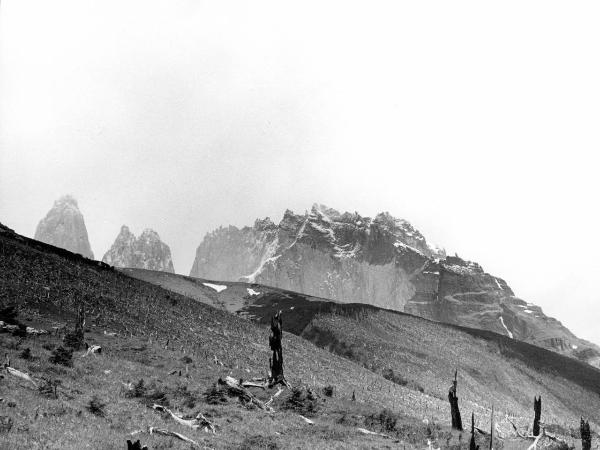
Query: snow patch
528, 311
510, 335
216, 287
498, 284
573, 346
252, 292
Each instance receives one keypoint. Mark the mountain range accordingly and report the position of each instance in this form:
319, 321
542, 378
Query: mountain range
382, 261
348, 258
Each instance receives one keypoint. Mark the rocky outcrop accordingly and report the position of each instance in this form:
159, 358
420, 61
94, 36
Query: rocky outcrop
145, 252
381, 261
64, 227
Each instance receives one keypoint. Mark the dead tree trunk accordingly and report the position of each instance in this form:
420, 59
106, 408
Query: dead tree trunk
276, 361
586, 436
453, 399
472, 445
537, 408
76, 339
135, 445
492, 429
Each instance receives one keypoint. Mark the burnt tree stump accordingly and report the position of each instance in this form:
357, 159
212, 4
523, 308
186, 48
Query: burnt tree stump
537, 408
135, 445
276, 361
472, 444
586, 435
453, 399
76, 338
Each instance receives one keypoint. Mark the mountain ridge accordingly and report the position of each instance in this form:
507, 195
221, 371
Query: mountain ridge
383, 261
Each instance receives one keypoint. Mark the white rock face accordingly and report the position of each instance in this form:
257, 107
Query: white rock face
381, 261
64, 227
145, 252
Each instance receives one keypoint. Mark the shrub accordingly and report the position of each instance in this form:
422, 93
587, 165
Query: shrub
259, 441
186, 360
74, 340
62, 356
303, 400
26, 354
386, 419
328, 391
96, 406
9, 314
389, 374
215, 395
48, 387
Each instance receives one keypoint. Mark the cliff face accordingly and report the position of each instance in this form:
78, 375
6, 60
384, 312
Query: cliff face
64, 227
382, 261
145, 252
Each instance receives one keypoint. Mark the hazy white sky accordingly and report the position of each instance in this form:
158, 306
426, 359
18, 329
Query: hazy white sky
476, 121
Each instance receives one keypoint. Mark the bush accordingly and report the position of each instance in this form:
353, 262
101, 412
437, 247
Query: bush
328, 391
9, 314
96, 407
303, 400
215, 395
389, 374
74, 340
386, 419
186, 360
259, 441
26, 354
48, 387
62, 356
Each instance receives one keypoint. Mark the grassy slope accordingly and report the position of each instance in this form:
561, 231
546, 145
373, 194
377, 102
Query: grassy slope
494, 369
47, 284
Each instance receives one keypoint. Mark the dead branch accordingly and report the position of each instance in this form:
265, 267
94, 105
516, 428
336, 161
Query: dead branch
160, 431
372, 433
277, 394
243, 393
198, 422
92, 350
19, 374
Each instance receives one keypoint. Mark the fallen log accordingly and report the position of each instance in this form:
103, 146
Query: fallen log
162, 432
372, 433
308, 421
92, 350
19, 374
274, 396
198, 422
236, 388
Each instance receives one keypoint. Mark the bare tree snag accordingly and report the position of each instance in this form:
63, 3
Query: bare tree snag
76, 339
586, 436
276, 362
135, 445
472, 445
453, 399
537, 408
492, 429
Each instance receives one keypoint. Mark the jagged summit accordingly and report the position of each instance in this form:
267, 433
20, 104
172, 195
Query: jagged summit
64, 227
145, 252
383, 261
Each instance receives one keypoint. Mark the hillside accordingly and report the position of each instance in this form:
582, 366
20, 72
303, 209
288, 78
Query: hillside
382, 261
414, 349
157, 329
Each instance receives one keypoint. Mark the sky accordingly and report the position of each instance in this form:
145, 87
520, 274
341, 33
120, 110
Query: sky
476, 121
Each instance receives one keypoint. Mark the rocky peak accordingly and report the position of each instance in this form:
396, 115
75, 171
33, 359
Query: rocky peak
145, 252
64, 227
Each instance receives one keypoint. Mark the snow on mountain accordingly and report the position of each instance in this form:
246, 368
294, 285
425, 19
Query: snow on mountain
383, 261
